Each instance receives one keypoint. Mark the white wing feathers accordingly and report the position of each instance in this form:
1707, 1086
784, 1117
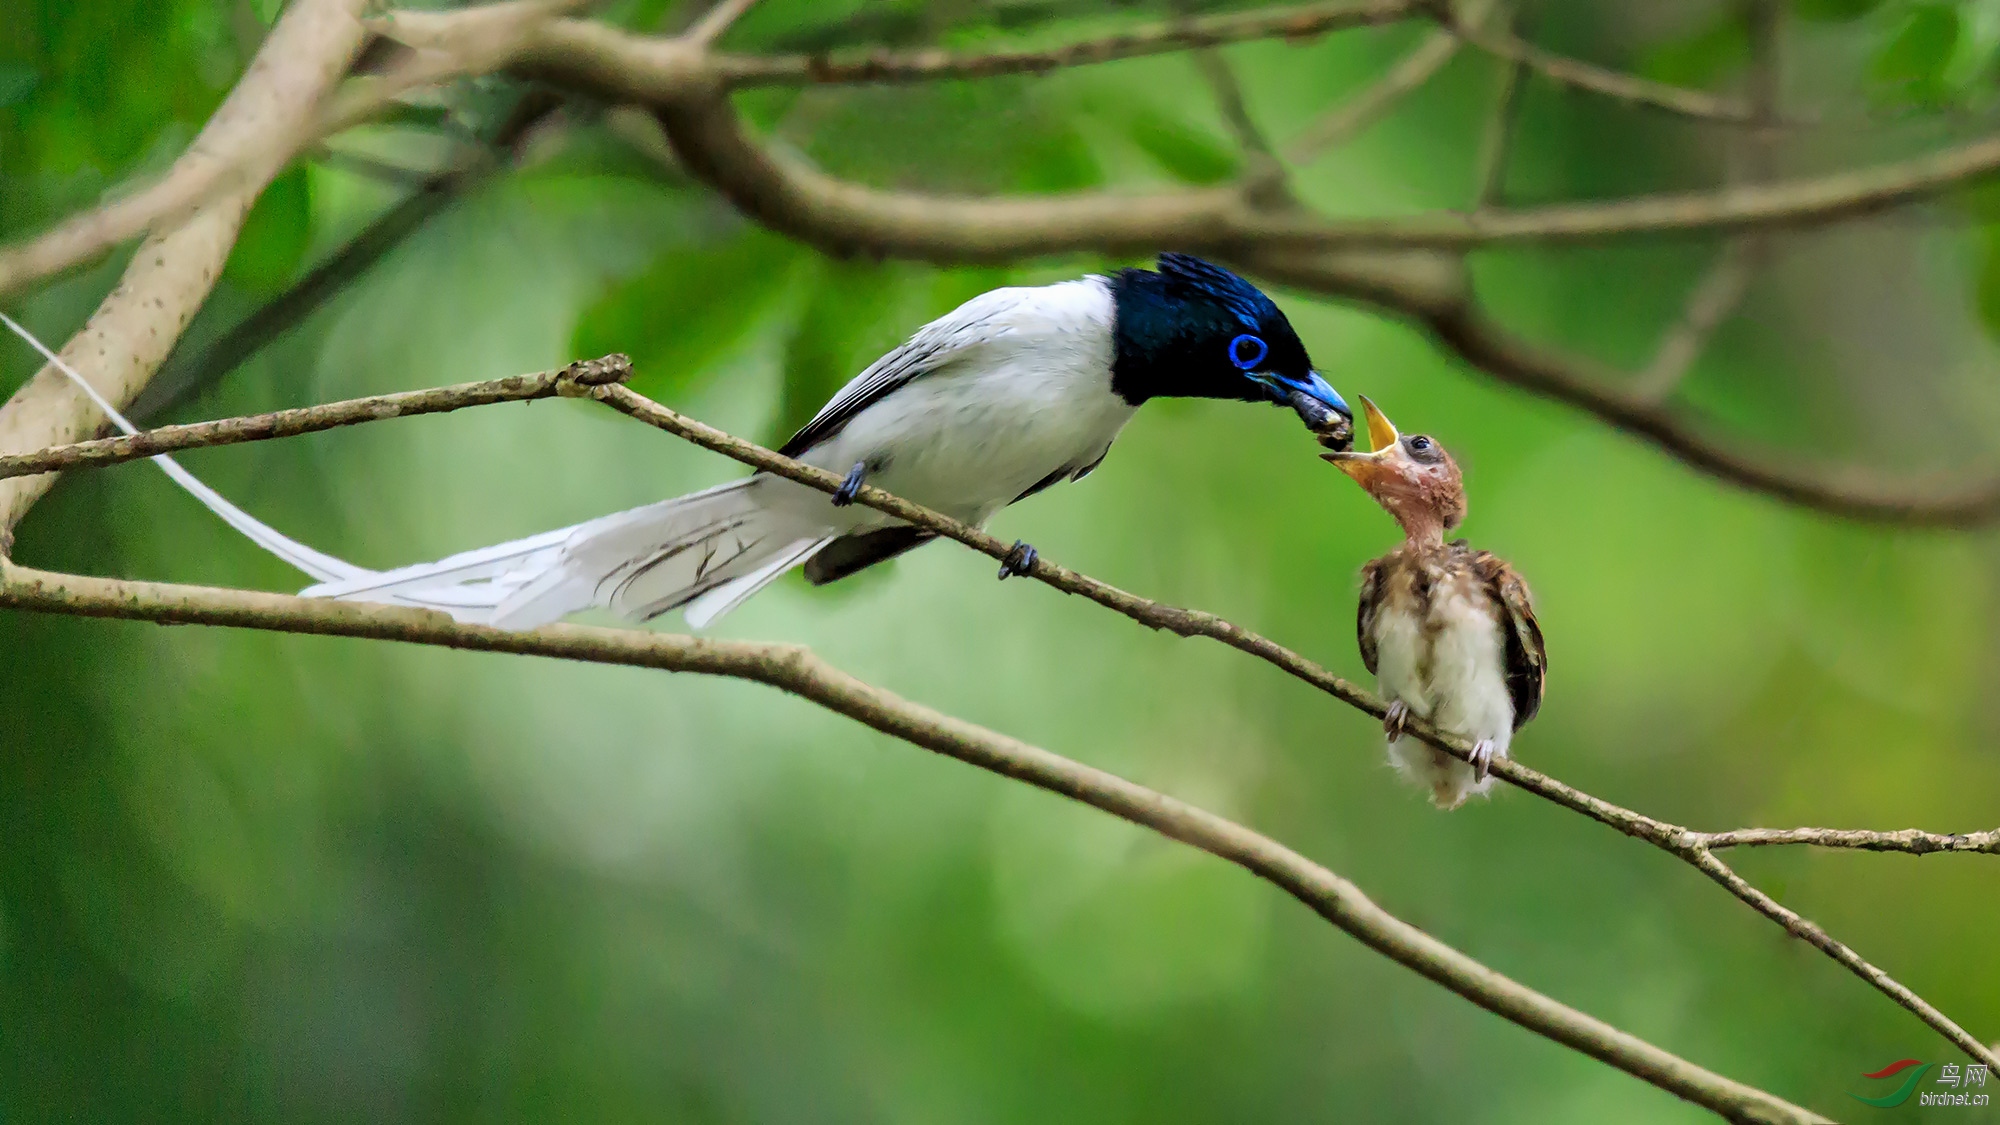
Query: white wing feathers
646, 561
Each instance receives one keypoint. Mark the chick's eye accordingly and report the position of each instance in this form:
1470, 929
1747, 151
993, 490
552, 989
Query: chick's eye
1420, 443
1421, 447
1247, 351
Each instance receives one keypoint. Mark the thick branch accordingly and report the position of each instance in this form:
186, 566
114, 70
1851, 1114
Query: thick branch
302, 57
797, 670
838, 215
135, 327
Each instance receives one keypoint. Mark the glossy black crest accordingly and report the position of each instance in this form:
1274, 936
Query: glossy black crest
1175, 328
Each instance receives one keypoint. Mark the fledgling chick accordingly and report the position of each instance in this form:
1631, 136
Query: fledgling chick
1448, 631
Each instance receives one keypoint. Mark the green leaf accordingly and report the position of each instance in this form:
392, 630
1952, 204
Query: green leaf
679, 316
275, 235
1833, 11
1914, 62
1181, 151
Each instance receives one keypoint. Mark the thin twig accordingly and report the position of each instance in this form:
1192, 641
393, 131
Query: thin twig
797, 670
311, 419
1346, 120
1601, 80
1264, 181
1713, 300
1908, 840
1496, 141
1808, 931
1720, 292
1294, 22
1364, 108
183, 376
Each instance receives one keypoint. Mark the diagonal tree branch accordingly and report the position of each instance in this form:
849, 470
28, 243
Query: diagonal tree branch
1408, 74
797, 670
1496, 140
1716, 297
598, 379
135, 326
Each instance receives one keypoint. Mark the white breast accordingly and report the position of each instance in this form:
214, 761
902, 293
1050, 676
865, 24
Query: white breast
1450, 670
1030, 396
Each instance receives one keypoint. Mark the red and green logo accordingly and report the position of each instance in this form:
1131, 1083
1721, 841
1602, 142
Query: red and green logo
1902, 1093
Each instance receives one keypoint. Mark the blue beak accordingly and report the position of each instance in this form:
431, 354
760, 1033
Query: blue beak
1312, 386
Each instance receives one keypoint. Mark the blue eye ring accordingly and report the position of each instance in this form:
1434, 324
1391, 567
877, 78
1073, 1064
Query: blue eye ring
1236, 351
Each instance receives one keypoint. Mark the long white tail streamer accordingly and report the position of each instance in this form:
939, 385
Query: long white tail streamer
320, 566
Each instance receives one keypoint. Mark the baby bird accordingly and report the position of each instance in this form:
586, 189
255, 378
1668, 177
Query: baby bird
1448, 631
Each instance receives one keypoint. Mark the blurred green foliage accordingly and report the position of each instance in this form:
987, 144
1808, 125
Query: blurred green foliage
282, 878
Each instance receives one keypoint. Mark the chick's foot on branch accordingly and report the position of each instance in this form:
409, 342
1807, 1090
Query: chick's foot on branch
1394, 718
1018, 562
1482, 759
844, 495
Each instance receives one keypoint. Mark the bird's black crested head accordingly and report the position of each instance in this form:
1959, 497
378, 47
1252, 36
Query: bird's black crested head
1195, 330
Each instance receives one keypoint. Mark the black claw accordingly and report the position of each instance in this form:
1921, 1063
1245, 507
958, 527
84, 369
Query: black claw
844, 495
1018, 561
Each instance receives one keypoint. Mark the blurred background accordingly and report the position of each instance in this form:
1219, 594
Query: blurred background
266, 877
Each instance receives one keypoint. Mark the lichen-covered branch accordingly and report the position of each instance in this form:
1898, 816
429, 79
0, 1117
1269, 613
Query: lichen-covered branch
1911, 841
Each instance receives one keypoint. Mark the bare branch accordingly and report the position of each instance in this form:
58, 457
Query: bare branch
313, 419
1496, 141
1713, 300
1908, 840
135, 327
1366, 107
1810, 932
1363, 109
797, 670
1720, 292
1599, 80
1294, 22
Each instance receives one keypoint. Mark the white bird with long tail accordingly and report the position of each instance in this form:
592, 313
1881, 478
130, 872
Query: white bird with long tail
1013, 391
